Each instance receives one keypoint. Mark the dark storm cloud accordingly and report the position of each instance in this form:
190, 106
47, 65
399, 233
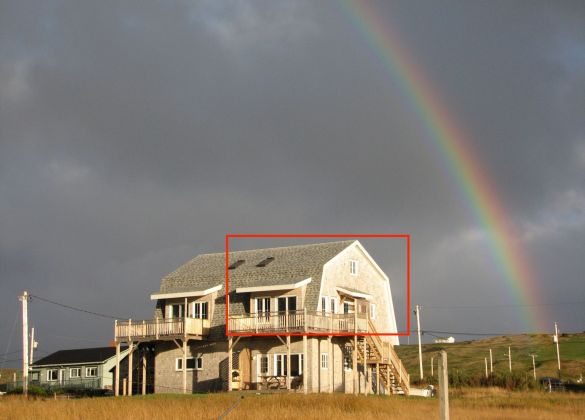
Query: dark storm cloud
135, 135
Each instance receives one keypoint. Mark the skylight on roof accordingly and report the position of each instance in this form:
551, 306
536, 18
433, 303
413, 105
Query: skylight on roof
236, 264
265, 262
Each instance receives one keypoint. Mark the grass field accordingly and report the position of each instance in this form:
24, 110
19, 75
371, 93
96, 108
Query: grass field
469, 404
468, 356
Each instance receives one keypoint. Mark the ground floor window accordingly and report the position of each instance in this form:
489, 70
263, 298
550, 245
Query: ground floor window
74, 373
193, 363
280, 365
91, 372
53, 375
264, 365
324, 360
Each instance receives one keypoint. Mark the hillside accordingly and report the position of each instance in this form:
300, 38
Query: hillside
468, 356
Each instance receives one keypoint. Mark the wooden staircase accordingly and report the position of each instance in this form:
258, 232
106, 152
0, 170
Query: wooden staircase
393, 375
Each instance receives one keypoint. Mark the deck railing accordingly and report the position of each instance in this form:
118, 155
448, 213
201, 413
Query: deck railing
298, 321
154, 329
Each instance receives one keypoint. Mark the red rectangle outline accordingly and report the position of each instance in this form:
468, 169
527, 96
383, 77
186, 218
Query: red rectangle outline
315, 235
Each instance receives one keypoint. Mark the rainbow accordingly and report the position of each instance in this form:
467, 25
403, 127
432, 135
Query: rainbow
448, 139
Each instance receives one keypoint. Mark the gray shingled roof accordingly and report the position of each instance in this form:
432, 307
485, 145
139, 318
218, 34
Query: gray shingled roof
291, 264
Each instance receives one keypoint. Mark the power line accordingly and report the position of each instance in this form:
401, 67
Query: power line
73, 308
502, 305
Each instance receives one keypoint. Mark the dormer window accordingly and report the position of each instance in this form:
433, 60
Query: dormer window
353, 267
236, 264
265, 262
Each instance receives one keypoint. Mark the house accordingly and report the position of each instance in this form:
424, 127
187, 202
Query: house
445, 340
90, 368
299, 318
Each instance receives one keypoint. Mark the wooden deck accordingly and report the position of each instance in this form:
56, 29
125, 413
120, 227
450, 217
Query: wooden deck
298, 321
160, 329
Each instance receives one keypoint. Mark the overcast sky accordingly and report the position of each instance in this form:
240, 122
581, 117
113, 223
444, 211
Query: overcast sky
135, 135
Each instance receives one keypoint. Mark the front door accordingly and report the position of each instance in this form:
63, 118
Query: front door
61, 376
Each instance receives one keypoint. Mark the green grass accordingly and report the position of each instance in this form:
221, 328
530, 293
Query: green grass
467, 357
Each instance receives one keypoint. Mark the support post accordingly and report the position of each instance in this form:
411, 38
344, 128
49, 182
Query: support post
24, 299
432, 366
443, 386
491, 363
355, 352
288, 362
184, 365
486, 369
130, 365
305, 366
124, 386
230, 363
330, 351
378, 378
533, 365
366, 376
117, 375
144, 371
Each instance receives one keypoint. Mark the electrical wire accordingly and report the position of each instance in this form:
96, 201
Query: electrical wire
73, 308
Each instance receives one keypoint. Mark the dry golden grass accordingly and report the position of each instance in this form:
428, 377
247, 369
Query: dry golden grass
467, 404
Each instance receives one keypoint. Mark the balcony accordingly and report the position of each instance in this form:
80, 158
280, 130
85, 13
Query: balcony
160, 329
298, 322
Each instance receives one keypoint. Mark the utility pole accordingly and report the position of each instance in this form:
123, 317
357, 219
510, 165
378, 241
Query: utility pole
486, 372
491, 363
509, 359
533, 365
24, 299
556, 339
417, 311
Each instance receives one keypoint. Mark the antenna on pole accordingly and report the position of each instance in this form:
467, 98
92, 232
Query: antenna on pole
25, 356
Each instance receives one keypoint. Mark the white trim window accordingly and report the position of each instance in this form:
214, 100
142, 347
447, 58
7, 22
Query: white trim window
372, 311
52, 375
324, 360
323, 304
75, 373
193, 363
353, 267
333, 305
91, 372
263, 365
296, 361
200, 310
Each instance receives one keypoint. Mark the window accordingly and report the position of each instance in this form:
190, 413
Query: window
263, 306
353, 267
347, 362
265, 262
348, 307
91, 372
264, 365
74, 373
287, 303
34, 376
236, 264
296, 364
333, 305
324, 360
372, 311
324, 304
53, 375
175, 311
200, 310
193, 363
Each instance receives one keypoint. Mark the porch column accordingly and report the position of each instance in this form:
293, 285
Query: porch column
288, 362
305, 366
354, 354
184, 365
143, 371
366, 376
330, 351
230, 363
130, 351
117, 374
378, 378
